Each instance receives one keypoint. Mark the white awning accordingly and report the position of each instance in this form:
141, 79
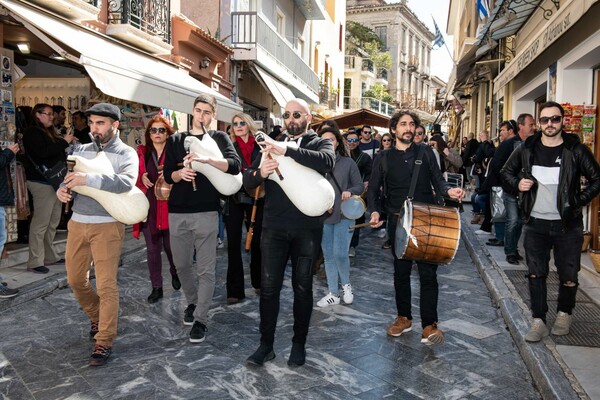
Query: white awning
119, 70
280, 92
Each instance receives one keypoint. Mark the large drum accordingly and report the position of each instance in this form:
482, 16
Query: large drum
428, 233
353, 207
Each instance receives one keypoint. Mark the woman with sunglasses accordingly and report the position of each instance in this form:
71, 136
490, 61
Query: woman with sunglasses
346, 181
387, 142
242, 134
45, 148
156, 227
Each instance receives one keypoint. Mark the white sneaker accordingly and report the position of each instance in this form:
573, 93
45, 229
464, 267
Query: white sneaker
329, 300
381, 233
352, 252
480, 232
348, 296
220, 244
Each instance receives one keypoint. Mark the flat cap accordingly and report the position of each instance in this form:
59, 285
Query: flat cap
104, 110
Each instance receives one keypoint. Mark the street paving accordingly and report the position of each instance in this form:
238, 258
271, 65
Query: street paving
44, 347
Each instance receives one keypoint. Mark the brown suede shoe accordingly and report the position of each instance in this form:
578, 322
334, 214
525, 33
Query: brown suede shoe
400, 325
432, 335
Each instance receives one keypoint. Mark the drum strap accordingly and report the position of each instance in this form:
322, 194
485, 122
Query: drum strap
415, 172
336, 183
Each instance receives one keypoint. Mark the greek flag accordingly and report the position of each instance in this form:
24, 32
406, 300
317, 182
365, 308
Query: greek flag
483, 8
438, 41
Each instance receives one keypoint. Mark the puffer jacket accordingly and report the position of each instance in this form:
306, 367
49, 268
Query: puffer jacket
576, 161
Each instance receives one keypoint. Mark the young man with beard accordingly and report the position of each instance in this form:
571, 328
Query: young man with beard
93, 233
288, 233
364, 164
393, 171
547, 170
193, 212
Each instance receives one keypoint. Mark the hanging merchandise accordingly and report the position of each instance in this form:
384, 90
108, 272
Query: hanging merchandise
580, 119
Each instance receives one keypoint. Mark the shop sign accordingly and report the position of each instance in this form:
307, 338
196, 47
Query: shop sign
553, 29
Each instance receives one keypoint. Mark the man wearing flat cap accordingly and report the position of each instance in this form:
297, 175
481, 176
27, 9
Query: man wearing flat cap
93, 233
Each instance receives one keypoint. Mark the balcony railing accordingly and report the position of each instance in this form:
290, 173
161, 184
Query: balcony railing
350, 62
367, 65
250, 30
413, 62
370, 103
411, 101
327, 97
382, 73
152, 17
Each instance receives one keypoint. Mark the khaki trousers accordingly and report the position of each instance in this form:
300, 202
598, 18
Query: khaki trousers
102, 243
46, 217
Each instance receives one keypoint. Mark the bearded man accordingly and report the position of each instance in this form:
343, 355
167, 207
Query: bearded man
393, 171
288, 233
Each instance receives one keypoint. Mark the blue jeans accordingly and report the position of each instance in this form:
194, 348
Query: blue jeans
478, 201
513, 225
221, 233
335, 242
3, 234
542, 236
499, 230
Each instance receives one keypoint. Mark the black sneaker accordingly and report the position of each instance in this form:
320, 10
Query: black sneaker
188, 315
198, 332
157, 294
38, 270
175, 282
297, 355
7, 293
100, 355
93, 330
263, 354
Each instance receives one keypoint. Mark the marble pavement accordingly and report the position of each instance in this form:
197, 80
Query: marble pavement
44, 347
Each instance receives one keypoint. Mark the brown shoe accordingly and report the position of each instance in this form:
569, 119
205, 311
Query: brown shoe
400, 325
432, 335
100, 355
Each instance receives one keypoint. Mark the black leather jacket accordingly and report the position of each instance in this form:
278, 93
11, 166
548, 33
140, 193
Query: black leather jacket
576, 161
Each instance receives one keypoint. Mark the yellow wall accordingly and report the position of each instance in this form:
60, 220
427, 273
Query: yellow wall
330, 7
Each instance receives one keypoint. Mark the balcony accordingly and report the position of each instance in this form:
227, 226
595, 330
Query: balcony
350, 63
382, 76
367, 68
145, 25
370, 103
327, 97
74, 10
413, 63
425, 73
252, 35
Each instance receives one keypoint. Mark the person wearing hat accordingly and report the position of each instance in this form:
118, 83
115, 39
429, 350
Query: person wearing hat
93, 233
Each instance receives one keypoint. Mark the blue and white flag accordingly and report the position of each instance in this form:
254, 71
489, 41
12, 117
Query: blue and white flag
483, 8
438, 41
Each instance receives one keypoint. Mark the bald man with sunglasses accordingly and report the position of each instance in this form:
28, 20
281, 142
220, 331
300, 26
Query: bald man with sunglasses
287, 233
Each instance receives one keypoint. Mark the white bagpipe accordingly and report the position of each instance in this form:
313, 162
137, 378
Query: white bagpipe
307, 189
225, 183
129, 207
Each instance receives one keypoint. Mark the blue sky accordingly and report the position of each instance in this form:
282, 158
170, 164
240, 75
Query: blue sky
441, 63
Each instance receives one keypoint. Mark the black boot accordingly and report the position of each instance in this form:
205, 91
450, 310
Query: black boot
263, 354
175, 282
297, 355
155, 295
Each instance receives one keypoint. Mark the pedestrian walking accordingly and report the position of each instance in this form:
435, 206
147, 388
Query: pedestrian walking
547, 171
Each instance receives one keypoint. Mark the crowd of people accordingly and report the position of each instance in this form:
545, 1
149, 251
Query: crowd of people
534, 176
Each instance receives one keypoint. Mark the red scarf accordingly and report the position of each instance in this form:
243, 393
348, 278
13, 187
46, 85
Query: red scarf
246, 148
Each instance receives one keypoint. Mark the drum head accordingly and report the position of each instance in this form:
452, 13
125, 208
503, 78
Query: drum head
353, 207
403, 228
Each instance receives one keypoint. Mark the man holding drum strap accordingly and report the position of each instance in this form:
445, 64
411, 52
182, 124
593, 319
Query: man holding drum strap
287, 232
393, 171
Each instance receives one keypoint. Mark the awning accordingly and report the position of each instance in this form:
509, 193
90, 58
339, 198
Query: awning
280, 92
117, 69
356, 118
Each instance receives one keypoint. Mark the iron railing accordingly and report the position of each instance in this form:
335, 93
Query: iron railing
327, 97
382, 73
367, 65
149, 16
249, 29
370, 103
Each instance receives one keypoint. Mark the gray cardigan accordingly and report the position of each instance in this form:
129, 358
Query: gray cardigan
348, 177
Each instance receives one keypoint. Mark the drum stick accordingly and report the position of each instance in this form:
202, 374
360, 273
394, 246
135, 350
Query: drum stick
363, 225
70, 167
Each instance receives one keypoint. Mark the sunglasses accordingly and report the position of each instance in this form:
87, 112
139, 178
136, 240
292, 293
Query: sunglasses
158, 130
295, 114
367, 132
419, 133
386, 140
555, 119
352, 140
241, 123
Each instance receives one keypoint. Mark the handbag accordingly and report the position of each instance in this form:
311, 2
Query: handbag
162, 189
54, 175
497, 204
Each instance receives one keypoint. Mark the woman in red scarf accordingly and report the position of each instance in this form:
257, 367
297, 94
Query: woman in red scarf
156, 227
240, 209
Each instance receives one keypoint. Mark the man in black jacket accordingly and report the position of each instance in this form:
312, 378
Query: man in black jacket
288, 233
7, 198
393, 171
546, 170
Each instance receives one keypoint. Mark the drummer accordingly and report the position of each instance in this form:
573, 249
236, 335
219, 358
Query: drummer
389, 173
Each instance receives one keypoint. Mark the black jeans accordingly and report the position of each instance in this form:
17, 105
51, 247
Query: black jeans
541, 236
277, 246
427, 278
238, 214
